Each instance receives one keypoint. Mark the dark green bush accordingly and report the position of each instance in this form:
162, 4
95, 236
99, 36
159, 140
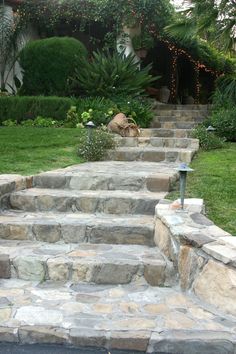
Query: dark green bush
207, 140
224, 121
109, 75
22, 108
48, 64
226, 90
94, 148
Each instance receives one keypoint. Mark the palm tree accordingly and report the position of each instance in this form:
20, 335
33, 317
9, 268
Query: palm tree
212, 20
10, 30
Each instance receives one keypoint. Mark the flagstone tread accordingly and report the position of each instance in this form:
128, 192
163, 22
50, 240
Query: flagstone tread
157, 142
111, 175
77, 227
147, 153
86, 201
100, 264
129, 317
166, 133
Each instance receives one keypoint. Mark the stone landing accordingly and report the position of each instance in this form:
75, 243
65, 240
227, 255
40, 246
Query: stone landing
133, 317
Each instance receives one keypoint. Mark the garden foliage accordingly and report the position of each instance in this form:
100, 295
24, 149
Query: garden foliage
48, 64
93, 147
111, 74
207, 140
98, 109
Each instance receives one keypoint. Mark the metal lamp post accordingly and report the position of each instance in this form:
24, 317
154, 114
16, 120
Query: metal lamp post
183, 170
90, 126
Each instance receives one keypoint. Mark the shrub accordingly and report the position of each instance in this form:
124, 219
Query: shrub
48, 64
109, 75
139, 109
207, 140
94, 148
226, 90
98, 109
9, 123
224, 121
22, 107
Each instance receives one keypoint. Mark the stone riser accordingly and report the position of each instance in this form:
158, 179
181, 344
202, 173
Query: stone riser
87, 228
182, 115
162, 119
172, 125
99, 264
183, 143
166, 133
115, 203
157, 183
151, 156
182, 108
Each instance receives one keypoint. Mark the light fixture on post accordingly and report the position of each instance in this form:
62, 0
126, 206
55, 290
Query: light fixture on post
90, 126
210, 129
183, 170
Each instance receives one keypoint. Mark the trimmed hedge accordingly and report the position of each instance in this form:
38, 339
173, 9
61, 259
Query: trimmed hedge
48, 64
21, 108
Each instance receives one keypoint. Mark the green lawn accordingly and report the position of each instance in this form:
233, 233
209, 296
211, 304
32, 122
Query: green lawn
214, 180
31, 150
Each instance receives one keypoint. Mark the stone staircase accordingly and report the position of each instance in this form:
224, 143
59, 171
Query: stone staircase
79, 224
179, 116
78, 255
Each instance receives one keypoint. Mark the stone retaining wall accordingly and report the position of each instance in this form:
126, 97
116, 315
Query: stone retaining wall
203, 254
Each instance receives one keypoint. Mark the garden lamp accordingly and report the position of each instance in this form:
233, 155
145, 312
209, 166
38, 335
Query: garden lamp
90, 126
183, 170
210, 129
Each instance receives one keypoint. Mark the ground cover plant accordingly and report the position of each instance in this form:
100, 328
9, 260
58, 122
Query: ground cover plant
214, 180
31, 150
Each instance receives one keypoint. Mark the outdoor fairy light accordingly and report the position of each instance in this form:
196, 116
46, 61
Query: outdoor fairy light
183, 170
90, 126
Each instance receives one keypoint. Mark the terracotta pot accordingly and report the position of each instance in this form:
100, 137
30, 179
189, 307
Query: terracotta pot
164, 94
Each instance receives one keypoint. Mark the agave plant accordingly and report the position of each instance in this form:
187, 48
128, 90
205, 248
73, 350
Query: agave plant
10, 30
112, 74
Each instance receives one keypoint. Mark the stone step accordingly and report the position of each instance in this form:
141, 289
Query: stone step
165, 133
182, 114
89, 263
158, 142
109, 202
164, 119
136, 318
77, 228
111, 175
172, 125
180, 107
154, 154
